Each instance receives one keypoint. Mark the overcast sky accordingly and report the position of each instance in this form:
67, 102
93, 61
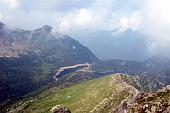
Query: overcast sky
150, 17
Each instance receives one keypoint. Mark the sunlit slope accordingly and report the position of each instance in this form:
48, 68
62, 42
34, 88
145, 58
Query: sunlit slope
98, 95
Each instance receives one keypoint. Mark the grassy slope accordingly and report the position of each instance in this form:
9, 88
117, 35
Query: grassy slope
81, 98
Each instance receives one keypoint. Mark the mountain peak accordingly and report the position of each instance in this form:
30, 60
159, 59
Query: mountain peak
45, 28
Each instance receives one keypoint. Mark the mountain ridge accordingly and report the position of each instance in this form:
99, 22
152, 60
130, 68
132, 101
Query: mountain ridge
108, 94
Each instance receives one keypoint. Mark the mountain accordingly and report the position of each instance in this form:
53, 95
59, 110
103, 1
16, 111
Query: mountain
152, 65
29, 58
118, 66
53, 47
158, 63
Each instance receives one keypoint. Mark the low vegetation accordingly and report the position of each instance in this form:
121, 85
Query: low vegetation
98, 95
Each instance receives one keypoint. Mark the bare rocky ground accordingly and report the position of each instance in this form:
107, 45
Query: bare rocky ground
157, 102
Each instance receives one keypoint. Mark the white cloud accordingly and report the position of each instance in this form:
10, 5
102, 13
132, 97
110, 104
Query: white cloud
156, 24
64, 25
1, 17
83, 17
131, 22
11, 4
90, 18
4, 17
151, 19
80, 18
121, 24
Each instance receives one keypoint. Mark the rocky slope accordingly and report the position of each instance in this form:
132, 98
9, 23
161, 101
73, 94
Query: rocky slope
158, 102
53, 47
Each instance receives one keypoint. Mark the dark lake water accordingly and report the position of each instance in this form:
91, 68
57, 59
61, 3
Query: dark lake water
69, 70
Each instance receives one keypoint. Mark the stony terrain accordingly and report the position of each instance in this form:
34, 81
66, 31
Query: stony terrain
158, 102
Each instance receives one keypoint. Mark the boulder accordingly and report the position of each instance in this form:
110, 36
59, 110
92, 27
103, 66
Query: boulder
60, 109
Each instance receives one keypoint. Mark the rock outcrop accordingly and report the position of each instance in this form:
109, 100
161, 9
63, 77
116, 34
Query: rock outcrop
60, 109
158, 102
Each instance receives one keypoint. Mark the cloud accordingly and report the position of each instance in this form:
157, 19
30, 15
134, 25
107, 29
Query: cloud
64, 15
4, 17
91, 18
55, 5
123, 23
77, 18
156, 25
131, 22
83, 17
64, 24
11, 4
151, 18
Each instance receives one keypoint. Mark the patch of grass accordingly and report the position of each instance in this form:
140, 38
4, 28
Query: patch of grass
47, 67
81, 98
43, 71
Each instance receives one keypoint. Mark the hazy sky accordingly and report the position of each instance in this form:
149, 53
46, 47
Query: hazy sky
149, 17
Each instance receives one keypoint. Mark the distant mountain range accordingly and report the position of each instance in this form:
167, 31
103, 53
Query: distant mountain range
151, 65
107, 46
